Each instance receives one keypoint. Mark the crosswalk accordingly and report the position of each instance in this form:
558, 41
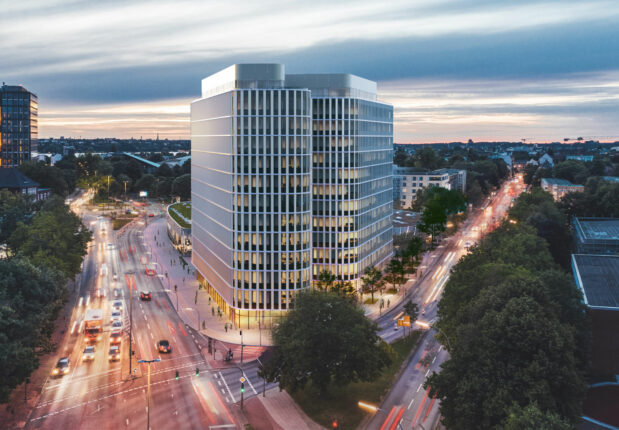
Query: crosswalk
253, 385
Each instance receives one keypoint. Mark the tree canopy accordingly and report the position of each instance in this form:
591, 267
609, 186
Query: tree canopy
516, 330
325, 339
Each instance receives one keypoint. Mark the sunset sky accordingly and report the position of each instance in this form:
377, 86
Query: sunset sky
453, 69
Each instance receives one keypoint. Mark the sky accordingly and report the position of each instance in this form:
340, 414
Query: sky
453, 69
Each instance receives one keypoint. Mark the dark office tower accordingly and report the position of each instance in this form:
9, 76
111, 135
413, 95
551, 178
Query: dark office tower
18, 125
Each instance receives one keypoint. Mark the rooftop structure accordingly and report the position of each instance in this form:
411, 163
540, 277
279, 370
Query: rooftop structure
15, 181
598, 278
596, 235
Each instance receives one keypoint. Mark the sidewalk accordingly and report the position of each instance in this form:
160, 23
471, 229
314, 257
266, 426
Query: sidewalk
277, 411
194, 303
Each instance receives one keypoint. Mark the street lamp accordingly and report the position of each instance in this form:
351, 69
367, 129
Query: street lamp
156, 360
428, 326
130, 320
374, 409
198, 312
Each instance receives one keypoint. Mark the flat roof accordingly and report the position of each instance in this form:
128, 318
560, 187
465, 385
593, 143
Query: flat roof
597, 276
598, 228
562, 182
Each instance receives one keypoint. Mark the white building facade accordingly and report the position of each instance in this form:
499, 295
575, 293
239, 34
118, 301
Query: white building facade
269, 178
407, 181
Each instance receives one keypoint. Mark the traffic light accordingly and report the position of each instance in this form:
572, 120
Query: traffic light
197, 372
177, 375
334, 424
242, 387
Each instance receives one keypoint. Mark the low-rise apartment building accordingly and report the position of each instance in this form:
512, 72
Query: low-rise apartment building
407, 181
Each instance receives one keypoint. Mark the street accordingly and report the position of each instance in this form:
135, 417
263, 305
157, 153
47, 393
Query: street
113, 394
408, 402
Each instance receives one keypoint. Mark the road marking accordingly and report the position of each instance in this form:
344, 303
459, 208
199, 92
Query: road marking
428, 371
434, 359
219, 382
419, 387
151, 336
127, 422
410, 404
148, 325
250, 384
145, 319
223, 391
228, 388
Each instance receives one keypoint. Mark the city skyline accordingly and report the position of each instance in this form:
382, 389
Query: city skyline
453, 70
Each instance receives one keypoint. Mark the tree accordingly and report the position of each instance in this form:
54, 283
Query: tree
325, 280
412, 310
432, 219
345, 289
532, 418
573, 170
372, 281
325, 339
146, 183
47, 176
395, 273
54, 238
410, 256
182, 186
31, 298
14, 208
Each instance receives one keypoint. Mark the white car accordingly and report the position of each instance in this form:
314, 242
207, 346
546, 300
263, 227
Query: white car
116, 315
117, 324
117, 305
89, 353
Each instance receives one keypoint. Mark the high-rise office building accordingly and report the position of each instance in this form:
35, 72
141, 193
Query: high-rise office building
352, 174
279, 161
18, 125
251, 190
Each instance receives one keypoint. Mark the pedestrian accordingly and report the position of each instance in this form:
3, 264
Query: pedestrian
226, 327
388, 303
213, 311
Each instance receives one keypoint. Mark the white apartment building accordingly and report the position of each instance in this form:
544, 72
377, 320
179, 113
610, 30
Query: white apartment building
278, 162
407, 181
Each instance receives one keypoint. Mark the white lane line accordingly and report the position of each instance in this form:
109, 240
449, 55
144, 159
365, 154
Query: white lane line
148, 325
419, 387
410, 404
127, 422
223, 391
250, 384
228, 388
145, 319
151, 336
439, 348
434, 359
428, 371
219, 382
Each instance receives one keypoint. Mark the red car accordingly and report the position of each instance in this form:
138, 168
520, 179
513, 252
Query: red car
150, 272
145, 295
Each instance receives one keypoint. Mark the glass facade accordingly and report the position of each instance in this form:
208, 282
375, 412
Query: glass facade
285, 184
18, 125
352, 185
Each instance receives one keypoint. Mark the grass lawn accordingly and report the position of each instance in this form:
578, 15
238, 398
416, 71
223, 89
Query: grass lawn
119, 223
391, 291
184, 208
369, 301
341, 402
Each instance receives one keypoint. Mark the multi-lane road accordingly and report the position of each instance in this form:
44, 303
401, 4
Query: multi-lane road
113, 394
408, 404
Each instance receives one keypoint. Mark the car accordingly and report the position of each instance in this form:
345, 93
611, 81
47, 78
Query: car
117, 305
115, 277
164, 346
100, 293
89, 353
116, 315
128, 212
117, 324
151, 215
110, 246
116, 337
114, 354
146, 295
62, 367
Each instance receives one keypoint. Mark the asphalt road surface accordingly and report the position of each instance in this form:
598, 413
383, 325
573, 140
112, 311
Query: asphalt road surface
106, 394
407, 405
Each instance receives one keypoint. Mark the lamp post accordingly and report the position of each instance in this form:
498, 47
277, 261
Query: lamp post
198, 312
372, 408
439, 331
175, 292
156, 360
